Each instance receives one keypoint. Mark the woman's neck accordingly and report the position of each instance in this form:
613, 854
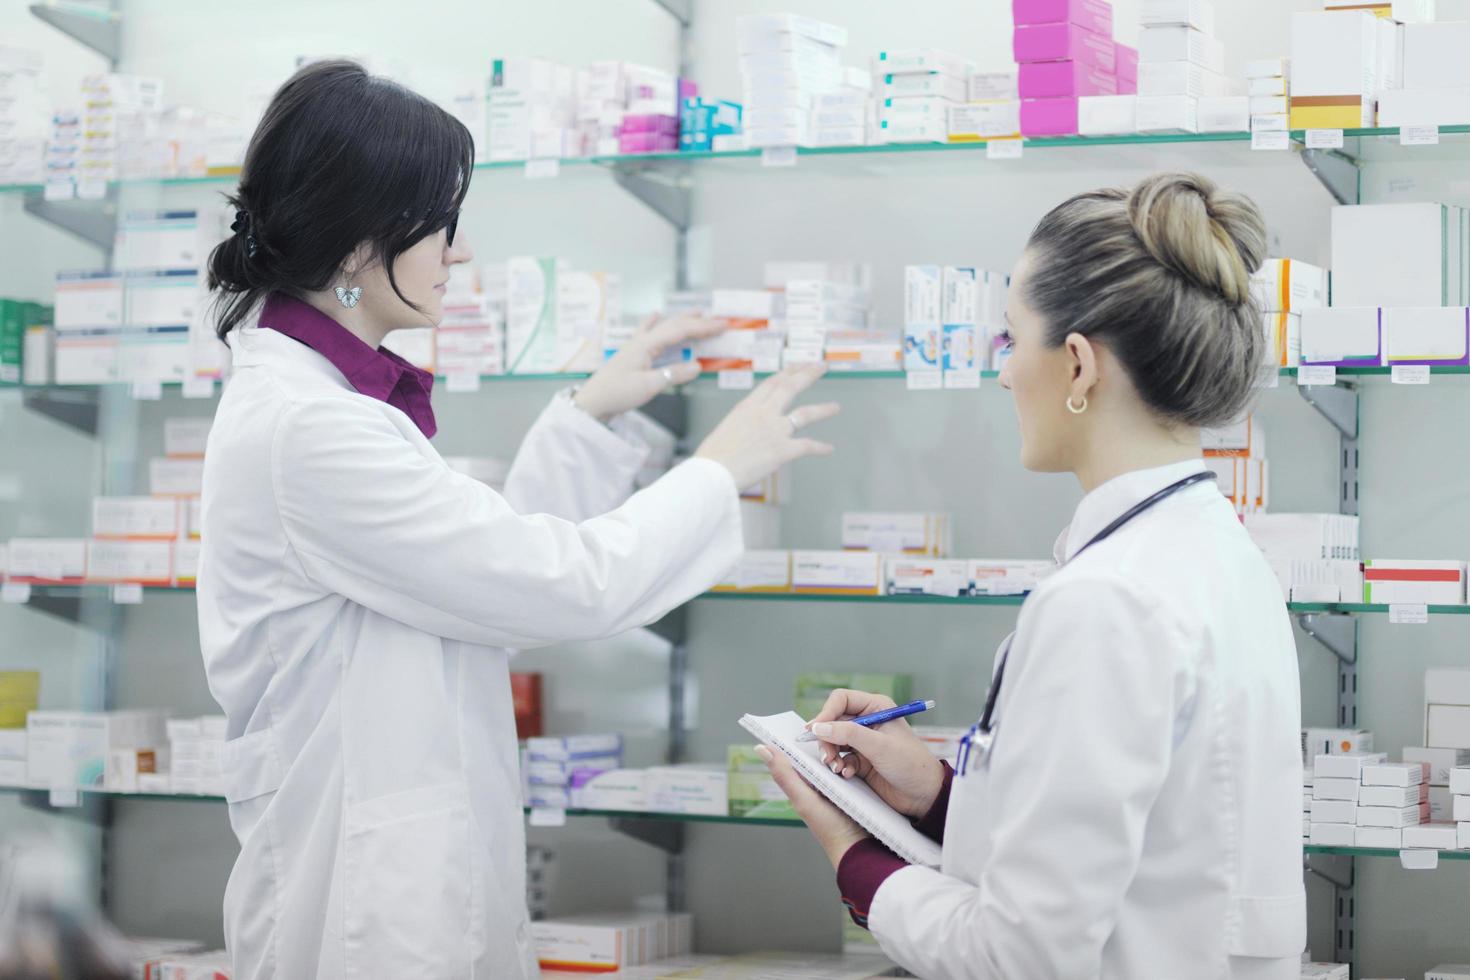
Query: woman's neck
354, 321
1125, 450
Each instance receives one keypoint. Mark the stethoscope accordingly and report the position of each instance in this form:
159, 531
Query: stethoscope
981, 736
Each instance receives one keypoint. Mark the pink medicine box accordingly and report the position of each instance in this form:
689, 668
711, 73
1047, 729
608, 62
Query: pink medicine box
1049, 117
1065, 42
1054, 79
1095, 15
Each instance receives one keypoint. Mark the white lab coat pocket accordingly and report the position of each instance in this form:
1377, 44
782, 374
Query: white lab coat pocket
1268, 927
407, 884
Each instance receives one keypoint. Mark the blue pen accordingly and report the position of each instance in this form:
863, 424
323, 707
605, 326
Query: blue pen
879, 717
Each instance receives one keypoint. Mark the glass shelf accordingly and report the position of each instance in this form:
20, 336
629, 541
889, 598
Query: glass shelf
1347, 608
1380, 852
707, 377
1376, 144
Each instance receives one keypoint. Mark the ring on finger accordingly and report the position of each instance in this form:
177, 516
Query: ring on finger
792, 420
668, 374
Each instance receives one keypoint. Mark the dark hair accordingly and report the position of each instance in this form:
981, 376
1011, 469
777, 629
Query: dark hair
340, 159
1161, 275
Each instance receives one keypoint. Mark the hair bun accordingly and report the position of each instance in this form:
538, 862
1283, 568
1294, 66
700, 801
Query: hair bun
1213, 238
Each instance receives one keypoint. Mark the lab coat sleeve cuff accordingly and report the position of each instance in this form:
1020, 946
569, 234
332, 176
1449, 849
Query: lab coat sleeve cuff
865, 866
931, 824
618, 440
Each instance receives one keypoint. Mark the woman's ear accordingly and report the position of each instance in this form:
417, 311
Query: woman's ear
1083, 362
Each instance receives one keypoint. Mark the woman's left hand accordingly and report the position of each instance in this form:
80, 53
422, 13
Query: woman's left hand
834, 830
629, 380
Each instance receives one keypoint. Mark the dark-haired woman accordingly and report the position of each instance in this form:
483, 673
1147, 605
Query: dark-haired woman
1127, 805
357, 598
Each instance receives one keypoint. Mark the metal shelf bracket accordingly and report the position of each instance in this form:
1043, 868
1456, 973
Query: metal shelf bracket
1337, 172
1337, 632
665, 835
75, 407
680, 10
1337, 404
1336, 869
93, 221
101, 31
667, 199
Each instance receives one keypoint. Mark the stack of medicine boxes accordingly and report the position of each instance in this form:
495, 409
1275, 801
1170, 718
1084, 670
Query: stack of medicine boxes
847, 115
1361, 799
992, 109
25, 110
1283, 288
786, 60
916, 88
557, 765
1180, 62
1066, 51
1268, 79
1434, 91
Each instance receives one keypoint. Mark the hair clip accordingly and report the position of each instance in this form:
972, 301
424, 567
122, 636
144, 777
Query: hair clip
242, 223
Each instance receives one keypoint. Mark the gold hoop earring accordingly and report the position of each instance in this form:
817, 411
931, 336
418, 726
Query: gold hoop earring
1073, 408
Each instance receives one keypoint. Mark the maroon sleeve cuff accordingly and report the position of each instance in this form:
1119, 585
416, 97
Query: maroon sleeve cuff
931, 824
865, 866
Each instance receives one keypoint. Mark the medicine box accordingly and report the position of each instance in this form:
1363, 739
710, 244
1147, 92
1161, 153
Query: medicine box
915, 533
923, 295
570, 747
1333, 811
566, 772
1283, 333
186, 561
1394, 796
186, 437
1424, 107
1182, 78
923, 347
1451, 971
1058, 79
1441, 761
135, 518
754, 794
1345, 766
926, 576
46, 560
1316, 741
977, 121
1434, 335
758, 571
993, 86
1107, 115
1199, 14
1396, 774
615, 789
1380, 837
1439, 835
689, 789
1434, 54
1168, 114
1289, 285
609, 942
991, 576
1245, 437
812, 689
88, 300
1335, 789
69, 749
175, 477
1093, 15
837, 572
1333, 835
1400, 255
1411, 581
1460, 781
1342, 336
913, 85
1064, 42
131, 562
1177, 43
1334, 62
1392, 816
1447, 708
1049, 117
901, 60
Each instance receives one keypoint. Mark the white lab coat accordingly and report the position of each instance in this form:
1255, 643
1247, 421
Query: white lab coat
356, 599
1139, 817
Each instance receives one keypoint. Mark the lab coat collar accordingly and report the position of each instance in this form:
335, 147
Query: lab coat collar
1109, 502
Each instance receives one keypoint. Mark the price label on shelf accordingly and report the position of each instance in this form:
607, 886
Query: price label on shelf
91, 190
15, 593
1419, 859
1270, 139
1011, 149
954, 380
1316, 374
736, 380
147, 391
198, 387
59, 190
462, 381
545, 816
1419, 136
127, 594
1409, 614
1411, 374
68, 797
924, 380
544, 169
778, 156
1324, 139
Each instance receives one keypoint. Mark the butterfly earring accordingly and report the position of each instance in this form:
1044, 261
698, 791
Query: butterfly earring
348, 295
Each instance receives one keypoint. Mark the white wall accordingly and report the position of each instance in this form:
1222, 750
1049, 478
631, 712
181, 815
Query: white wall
896, 450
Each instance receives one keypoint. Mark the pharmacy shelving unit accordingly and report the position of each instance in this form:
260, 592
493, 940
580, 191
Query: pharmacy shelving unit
664, 183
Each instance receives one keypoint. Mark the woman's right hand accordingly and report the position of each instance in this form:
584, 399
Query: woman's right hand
889, 757
759, 435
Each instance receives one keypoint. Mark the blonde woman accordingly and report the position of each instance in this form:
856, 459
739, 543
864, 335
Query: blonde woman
1127, 804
